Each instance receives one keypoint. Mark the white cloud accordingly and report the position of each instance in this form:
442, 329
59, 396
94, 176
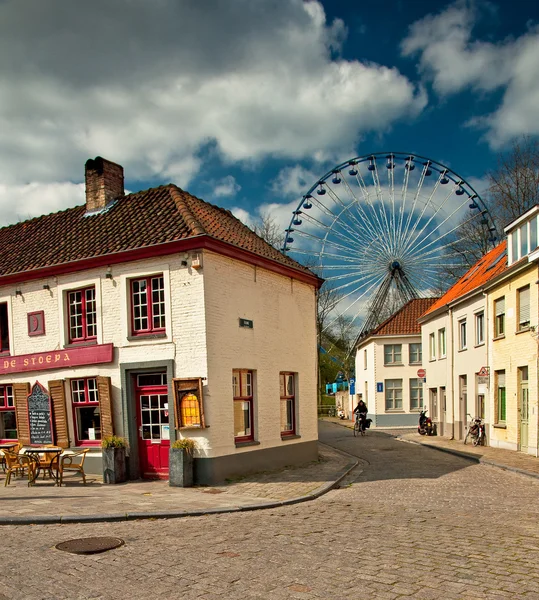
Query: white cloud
226, 187
244, 216
21, 202
454, 61
293, 182
151, 85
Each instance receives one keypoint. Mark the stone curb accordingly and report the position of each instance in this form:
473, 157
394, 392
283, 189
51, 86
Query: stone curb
472, 458
70, 519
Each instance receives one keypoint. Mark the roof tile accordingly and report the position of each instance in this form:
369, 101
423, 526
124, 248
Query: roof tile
405, 320
486, 268
147, 218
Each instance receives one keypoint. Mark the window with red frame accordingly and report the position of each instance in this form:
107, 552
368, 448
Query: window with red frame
86, 412
148, 305
8, 419
288, 403
82, 315
4, 330
242, 382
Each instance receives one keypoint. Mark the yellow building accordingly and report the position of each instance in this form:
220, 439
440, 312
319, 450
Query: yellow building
512, 306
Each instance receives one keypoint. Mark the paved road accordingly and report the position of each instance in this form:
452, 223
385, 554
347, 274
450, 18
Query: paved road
414, 523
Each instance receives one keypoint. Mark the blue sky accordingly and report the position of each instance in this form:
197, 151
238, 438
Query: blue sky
245, 103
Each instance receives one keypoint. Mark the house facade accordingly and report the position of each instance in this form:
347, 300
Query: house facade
389, 361
454, 332
156, 316
513, 306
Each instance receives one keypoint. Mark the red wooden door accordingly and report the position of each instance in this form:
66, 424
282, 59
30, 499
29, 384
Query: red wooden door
153, 425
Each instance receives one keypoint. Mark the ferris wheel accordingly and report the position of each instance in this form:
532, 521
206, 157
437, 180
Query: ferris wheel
382, 229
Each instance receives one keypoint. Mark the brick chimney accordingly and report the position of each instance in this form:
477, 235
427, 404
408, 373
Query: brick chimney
104, 183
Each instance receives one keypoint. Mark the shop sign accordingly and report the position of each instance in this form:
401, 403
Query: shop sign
57, 359
39, 415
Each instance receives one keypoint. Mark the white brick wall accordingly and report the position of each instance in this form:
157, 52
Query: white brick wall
203, 337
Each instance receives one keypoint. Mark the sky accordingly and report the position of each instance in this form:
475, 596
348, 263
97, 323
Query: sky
246, 103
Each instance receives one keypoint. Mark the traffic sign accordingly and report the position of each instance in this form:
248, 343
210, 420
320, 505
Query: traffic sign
484, 372
421, 373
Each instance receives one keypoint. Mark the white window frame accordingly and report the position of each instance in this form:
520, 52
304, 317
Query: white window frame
393, 353
394, 395
479, 328
499, 317
523, 305
432, 346
463, 334
442, 343
416, 384
420, 353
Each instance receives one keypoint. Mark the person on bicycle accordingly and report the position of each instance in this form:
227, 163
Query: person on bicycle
361, 411
361, 408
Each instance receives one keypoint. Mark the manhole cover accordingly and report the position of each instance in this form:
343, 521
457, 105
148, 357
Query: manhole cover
90, 545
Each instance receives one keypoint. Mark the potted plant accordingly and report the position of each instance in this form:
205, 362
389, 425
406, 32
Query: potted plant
181, 462
114, 452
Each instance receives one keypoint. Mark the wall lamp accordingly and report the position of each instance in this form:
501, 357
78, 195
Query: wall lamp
18, 293
46, 286
108, 274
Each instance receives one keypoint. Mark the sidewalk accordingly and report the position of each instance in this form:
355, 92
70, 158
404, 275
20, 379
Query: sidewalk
496, 457
93, 502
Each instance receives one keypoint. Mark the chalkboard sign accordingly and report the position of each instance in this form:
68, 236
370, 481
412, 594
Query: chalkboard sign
39, 416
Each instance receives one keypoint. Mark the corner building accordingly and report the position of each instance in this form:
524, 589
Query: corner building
156, 316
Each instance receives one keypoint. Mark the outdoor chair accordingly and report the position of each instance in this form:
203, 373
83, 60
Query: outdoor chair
18, 463
45, 460
74, 461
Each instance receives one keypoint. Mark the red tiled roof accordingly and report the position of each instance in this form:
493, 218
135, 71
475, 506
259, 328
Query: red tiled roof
404, 321
140, 220
486, 268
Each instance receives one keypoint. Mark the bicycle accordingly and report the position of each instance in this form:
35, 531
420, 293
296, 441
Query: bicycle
476, 432
359, 425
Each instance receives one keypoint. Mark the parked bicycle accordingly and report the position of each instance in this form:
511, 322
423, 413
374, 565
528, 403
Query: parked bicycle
476, 432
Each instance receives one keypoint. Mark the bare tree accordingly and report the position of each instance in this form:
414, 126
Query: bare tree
513, 189
268, 229
514, 183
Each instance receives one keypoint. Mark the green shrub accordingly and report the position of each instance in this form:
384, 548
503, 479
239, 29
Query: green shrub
114, 441
185, 444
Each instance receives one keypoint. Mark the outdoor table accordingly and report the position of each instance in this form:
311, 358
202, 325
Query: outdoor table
7, 445
53, 465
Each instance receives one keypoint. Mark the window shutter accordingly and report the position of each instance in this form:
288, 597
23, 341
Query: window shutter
104, 391
21, 391
500, 307
524, 306
58, 398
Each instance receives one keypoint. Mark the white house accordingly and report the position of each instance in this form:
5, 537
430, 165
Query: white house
454, 334
156, 315
389, 361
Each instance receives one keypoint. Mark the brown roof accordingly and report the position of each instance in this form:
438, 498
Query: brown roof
486, 268
140, 220
405, 320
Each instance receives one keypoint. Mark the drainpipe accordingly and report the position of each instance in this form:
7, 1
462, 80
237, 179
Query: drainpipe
490, 396
452, 373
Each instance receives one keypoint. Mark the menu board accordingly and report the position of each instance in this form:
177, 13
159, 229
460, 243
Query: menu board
39, 416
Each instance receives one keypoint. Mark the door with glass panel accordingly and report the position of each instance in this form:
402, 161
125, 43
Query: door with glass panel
524, 408
153, 424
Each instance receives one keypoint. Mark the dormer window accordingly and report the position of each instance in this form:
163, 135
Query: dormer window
522, 239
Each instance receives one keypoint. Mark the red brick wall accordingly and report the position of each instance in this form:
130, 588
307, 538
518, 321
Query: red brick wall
104, 182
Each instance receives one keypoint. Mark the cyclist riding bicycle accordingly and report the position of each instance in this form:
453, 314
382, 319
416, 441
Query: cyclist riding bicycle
361, 411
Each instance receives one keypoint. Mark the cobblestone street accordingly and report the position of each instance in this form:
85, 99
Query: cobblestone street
409, 522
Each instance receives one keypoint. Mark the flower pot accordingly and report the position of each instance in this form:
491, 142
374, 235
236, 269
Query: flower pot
180, 467
114, 470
